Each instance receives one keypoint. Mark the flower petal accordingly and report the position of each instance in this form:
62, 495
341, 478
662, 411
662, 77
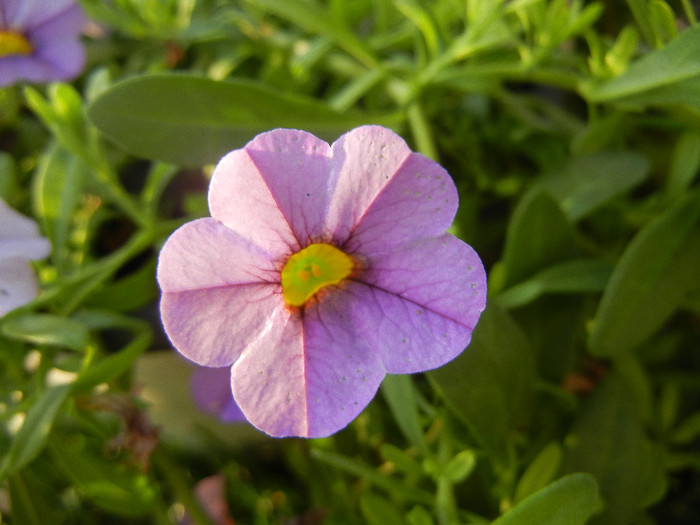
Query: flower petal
17, 68
217, 292
295, 166
19, 236
418, 306
58, 46
206, 254
13, 224
28, 14
212, 326
32, 249
18, 285
364, 161
419, 201
311, 380
274, 191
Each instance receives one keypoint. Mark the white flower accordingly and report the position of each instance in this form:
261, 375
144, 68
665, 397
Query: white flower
20, 243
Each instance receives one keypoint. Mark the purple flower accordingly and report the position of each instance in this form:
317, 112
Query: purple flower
322, 269
39, 40
20, 243
211, 390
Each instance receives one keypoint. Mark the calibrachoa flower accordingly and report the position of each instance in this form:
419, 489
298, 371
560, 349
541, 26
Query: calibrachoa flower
322, 269
39, 40
211, 390
20, 243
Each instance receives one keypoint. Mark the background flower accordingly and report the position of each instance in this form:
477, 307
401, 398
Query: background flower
20, 243
211, 390
410, 304
39, 41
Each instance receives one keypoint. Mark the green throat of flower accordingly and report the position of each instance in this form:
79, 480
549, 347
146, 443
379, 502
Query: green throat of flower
14, 43
311, 269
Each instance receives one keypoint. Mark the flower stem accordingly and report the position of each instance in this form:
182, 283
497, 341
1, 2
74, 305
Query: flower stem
421, 131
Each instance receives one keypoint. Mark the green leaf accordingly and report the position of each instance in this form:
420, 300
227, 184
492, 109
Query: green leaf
9, 181
314, 18
57, 189
609, 440
688, 430
108, 484
571, 500
419, 515
46, 329
651, 280
460, 467
113, 366
539, 235
34, 432
135, 290
32, 502
684, 165
646, 79
424, 21
360, 469
622, 51
585, 183
190, 120
63, 114
399, 394
540, 472
489, 385
401, 460
378, 511
663, 20
571, 277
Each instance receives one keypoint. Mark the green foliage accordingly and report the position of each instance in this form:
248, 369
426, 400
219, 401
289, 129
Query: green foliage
206, 124
572, 129
569, 501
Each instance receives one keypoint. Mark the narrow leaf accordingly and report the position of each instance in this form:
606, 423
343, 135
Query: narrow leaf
32, 435
489, 385
676, 62
539, 235
378, 511
398, 392
46, 329
609, 441
106, 483
569, 501
540, 472
316, 20
57, 191
585, 183
651, 280
572, 277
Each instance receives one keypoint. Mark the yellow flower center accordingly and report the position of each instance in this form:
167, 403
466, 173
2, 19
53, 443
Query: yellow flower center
14, 43
309, 270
